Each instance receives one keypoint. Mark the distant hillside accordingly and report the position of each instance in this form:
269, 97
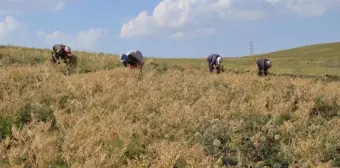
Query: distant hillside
317, 59
324, 50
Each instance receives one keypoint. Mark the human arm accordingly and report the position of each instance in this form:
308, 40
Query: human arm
124, 59
264, 67
124, 63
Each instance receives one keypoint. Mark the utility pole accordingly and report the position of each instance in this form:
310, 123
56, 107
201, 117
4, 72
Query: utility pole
251, 48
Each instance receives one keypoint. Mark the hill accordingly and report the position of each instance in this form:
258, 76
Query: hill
316, 51
311, 60
175, 114
317, 59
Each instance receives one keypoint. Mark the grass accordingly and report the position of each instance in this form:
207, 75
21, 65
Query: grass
175, 114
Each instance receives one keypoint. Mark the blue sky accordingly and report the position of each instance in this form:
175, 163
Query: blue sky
170, 28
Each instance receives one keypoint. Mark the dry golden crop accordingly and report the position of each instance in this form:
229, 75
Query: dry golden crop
104, 115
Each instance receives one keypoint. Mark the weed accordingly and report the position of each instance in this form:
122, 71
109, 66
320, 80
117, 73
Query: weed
59, 163
324, 109
5, 127
134, 149
42, 113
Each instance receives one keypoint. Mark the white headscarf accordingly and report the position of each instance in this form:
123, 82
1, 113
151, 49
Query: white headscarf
219, 60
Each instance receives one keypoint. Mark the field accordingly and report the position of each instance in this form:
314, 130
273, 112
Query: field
175, 114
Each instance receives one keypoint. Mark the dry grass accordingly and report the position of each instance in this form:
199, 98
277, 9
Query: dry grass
169, 116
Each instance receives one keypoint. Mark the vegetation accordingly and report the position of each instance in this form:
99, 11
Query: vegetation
175, 114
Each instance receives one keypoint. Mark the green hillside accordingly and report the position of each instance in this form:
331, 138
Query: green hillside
315, 51
318, 59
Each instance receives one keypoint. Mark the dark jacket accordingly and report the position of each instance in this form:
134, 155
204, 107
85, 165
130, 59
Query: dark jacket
59, 50
211, 59
261, 65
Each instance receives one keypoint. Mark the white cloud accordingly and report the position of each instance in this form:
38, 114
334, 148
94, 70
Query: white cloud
178, 18
311, 7
15, 32
85, 39
60, 6
22, 6
306, 7
192, 34
8, 26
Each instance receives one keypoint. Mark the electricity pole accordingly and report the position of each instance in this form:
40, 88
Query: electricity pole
251, 48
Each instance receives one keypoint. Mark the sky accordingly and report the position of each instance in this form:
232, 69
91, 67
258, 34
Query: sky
170, 28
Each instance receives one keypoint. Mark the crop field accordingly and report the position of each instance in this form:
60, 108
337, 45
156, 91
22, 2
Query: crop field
173, 114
